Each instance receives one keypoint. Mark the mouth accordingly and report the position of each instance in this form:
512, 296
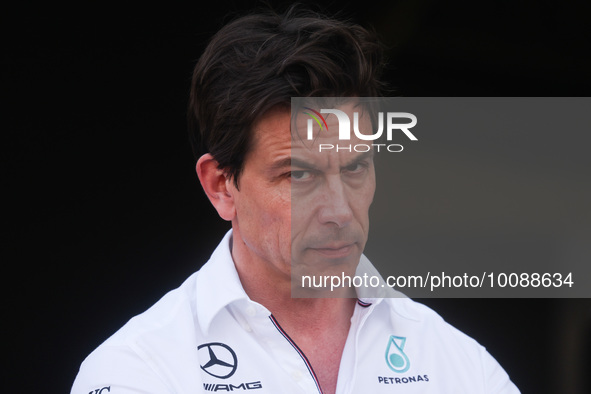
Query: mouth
335, 251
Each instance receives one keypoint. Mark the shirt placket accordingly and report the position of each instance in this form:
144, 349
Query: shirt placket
350, 360
291, 364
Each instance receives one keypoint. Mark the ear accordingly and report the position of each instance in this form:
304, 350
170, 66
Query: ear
216, 185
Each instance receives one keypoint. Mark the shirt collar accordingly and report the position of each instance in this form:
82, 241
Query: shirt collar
218, 284
396, 300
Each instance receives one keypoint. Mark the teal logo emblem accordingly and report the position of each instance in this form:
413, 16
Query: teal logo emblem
396, 359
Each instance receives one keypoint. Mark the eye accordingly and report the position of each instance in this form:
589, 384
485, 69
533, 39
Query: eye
300, 175
356, 168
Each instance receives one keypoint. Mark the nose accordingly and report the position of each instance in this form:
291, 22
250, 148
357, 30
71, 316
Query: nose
336, 207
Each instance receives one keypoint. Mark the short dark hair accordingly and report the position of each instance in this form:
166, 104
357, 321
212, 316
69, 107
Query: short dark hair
260, 61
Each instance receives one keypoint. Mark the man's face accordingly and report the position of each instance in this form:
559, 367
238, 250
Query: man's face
300, 210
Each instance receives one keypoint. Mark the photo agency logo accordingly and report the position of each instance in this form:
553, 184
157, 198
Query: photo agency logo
362, 138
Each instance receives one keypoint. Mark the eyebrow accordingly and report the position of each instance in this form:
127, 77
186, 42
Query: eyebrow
361, 157
294, 162
286, 162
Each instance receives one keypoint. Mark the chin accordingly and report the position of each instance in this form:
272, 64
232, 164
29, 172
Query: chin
322, 266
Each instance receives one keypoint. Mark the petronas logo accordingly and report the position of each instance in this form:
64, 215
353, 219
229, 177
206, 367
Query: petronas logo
396, 359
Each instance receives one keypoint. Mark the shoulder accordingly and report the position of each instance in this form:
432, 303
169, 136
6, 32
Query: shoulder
442, 340
132, 358
156, 351
117, 368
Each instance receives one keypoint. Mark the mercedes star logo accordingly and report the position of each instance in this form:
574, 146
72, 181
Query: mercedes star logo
221, 359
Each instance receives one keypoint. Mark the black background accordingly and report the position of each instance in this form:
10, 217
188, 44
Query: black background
104, 213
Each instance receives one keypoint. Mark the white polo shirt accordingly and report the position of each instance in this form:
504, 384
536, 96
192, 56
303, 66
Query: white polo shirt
208, 336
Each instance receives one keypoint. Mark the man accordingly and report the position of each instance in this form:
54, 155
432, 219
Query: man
234, 325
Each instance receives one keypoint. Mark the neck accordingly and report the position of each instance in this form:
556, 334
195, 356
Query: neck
272, 287
275, 294
319, 326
